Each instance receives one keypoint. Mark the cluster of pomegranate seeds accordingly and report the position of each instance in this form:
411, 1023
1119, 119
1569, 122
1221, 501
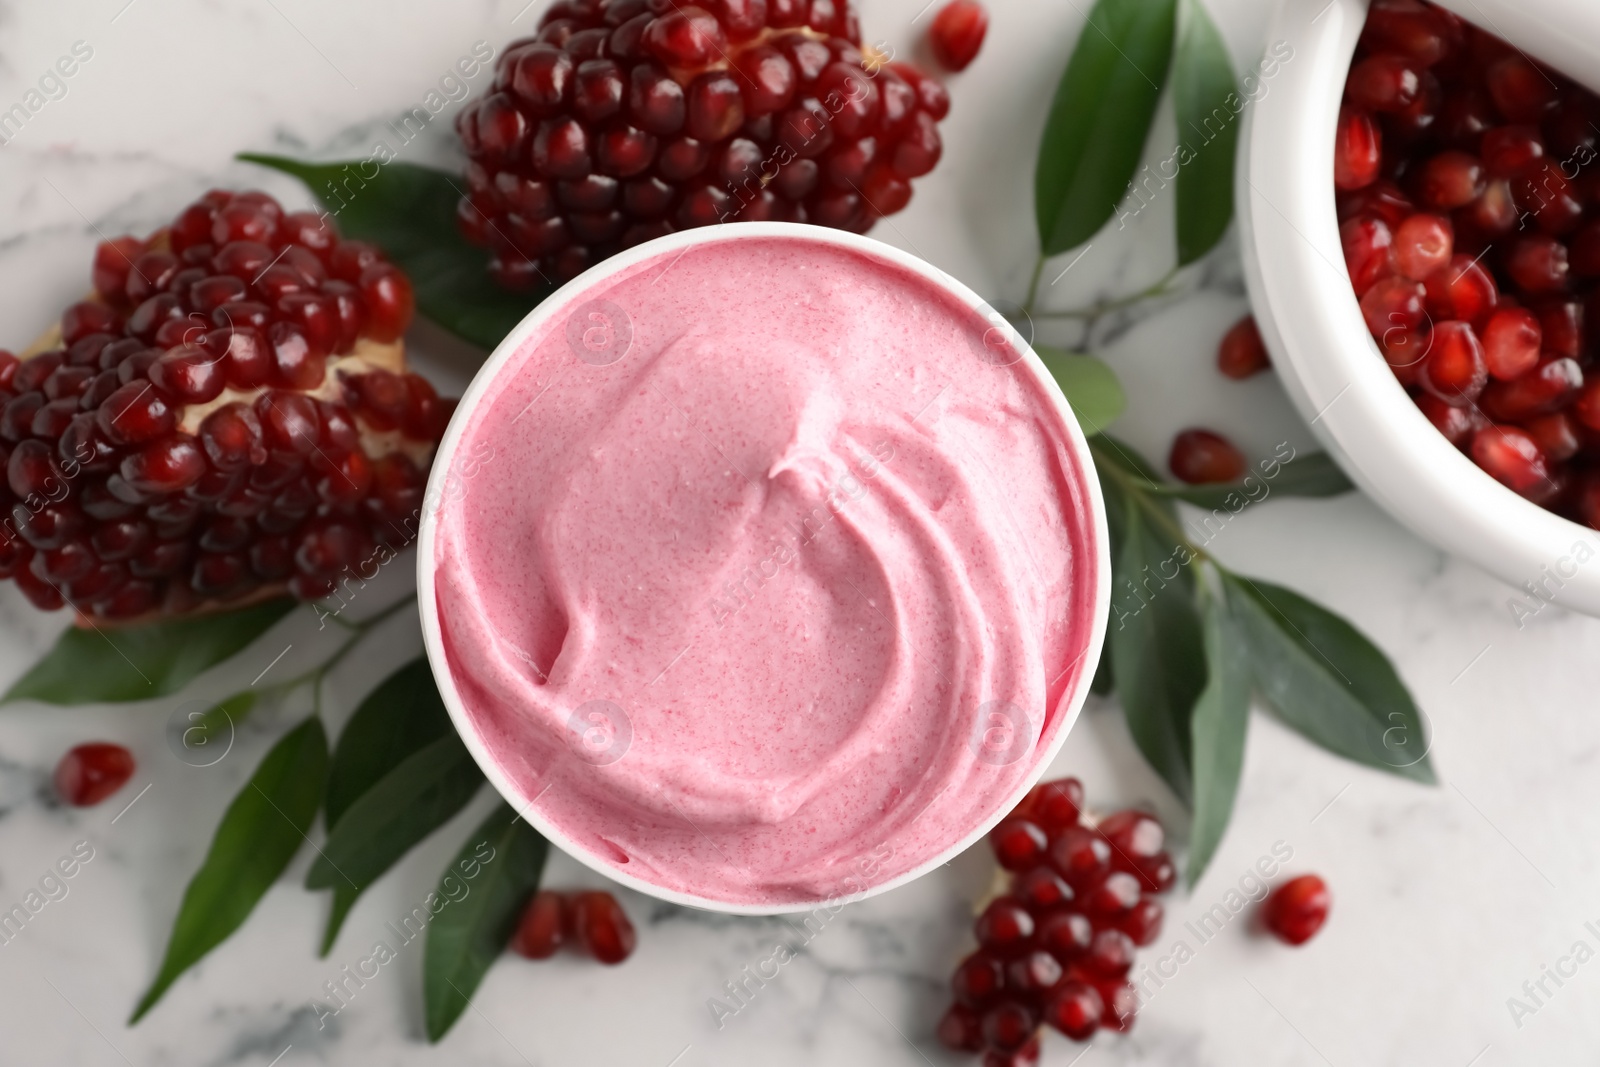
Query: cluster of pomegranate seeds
1056, 949
91, 772
957, 33
592, 921
1469, 204
1296, 910
184, 441
1201, 457
625, 120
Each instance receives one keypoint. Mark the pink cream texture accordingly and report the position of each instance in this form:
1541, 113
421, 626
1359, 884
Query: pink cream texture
783, 601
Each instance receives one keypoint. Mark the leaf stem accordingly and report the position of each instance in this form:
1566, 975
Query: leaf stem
1033, 284
1160, 287
1138, 490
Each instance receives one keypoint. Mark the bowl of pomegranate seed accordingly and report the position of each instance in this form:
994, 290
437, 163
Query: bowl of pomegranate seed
1420, 213
767, 567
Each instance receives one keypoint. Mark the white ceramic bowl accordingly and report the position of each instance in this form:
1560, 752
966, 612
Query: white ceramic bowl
1312, 324
550, 314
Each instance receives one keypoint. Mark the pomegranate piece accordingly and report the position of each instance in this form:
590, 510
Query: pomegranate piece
1242, 353
957, 33
1296, 910
1201, 457
621, 121
163, 491
90, 773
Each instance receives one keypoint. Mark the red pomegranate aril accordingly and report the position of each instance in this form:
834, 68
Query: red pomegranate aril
1512, 457
191, 374
317, 318
1041, 889
1296, 910
1394, 303
1454, 369
389, 300
1005, 926
1110, 954
539, 933
1157, 873
1422, 245
165, 466
1384, 83
1367, 243
40, 593
1143, 922
1201, 457
1457, 424
1066, 934
1018, 844
960, 1029
1450, 180
977, 980
113, 260
1121, 1005
1520, 90
32, 470
90, 773
1075, 1008
1008, 1026
957, 33
1462, 290
148, 276
135, 413
1081, 855
602, 927
1561, 325
1114, 897
1133, 833
1358, 150
1033, 972
1556, 434
1511, 343
33, 373
61, 566
1550, 386
1538, 264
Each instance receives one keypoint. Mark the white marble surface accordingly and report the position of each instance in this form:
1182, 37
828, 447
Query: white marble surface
1446, 900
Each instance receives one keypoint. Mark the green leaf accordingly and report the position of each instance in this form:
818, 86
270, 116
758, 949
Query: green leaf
403, 715
1090, 386
1326, 680
409, 212
1157, 652
469, 933
397, 719
1208, 129
258, 836
1218, 725
1101, 116
1314, 474
407, 805
95, 665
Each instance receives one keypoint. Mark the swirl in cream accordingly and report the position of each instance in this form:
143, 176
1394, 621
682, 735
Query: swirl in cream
769, 581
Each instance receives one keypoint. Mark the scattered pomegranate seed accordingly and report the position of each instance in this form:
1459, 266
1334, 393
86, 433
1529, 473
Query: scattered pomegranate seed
89, 773
957, 33
540, 931
602, 927
1296, 910
1201, 457
1242, 352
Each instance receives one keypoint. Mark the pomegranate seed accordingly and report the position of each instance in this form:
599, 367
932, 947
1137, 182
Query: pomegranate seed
539, 931
1143, 922
1450, 180
1456, 423
1358, 150
1075, 1009
1133, 833
1018, 844
957, 33
135, 413
1008, 1026
959, 1029
1454, 369
90, 773
1422, 245
977, 980
1041, 889
1067, 935
1201, 457
1520, 91
1110, 954
1538, 264
1005, 926
1511, 457
1366, 243
602, 927
1121, 1005
1296, 910
1114, 897
1082, 856
1511, 343
1242, 352
165, 465
1157, 873
1556, 434
1461, 290
1034, 972
1384, 83
1551, 385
